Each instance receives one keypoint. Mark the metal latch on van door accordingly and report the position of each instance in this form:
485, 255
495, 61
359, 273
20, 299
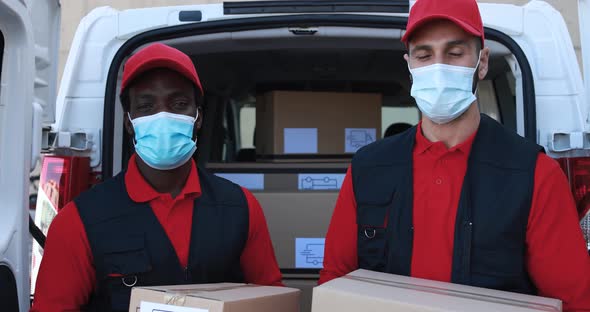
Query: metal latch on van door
303, 30
85, 140
562, 142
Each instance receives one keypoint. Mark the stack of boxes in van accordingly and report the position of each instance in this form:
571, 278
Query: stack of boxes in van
316, 134
304, 142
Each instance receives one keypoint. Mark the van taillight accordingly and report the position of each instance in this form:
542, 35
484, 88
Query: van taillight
63, 178
577, 171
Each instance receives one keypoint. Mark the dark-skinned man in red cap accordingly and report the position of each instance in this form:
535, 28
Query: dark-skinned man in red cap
458, 198
162, 221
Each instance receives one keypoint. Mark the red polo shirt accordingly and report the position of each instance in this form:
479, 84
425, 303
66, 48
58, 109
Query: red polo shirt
556, 255
67, 277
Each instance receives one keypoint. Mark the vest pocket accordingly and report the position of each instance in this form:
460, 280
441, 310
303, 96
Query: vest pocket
372, 225
125, 262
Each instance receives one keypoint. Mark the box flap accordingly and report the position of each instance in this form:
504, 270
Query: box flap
250, 292
188, 289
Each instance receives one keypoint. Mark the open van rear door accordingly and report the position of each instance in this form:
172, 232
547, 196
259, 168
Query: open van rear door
46, 17
29, 32
584, 15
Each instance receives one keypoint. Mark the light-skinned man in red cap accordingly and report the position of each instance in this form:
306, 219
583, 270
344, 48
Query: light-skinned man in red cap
458, 198
162, 221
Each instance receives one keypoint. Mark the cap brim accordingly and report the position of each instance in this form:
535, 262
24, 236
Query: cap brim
168, 63
429, 18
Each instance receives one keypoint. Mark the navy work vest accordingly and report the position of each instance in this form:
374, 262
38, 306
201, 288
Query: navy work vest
127, 239
492, 217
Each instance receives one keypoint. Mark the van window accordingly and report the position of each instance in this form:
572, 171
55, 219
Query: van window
496, 98
398, 118
504, 93
247, 126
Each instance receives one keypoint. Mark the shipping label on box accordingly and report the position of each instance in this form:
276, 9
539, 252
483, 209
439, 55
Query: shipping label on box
320, 181
301, 140
158, 307
309, 253
355, 138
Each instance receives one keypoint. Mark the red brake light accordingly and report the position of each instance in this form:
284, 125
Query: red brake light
63, 178
577, 171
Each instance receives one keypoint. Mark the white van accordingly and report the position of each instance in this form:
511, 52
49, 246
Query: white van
241, 51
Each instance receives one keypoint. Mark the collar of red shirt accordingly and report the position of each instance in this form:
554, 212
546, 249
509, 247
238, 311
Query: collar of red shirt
141, 191
423, 144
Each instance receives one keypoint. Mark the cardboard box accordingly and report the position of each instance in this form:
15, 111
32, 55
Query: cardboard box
315, 125
223, 297
371, 291
298, 205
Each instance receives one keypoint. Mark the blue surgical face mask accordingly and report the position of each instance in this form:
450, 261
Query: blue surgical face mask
164, 141
443, 92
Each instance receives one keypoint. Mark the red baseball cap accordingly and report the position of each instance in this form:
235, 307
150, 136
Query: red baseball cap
464, 13
159, 55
